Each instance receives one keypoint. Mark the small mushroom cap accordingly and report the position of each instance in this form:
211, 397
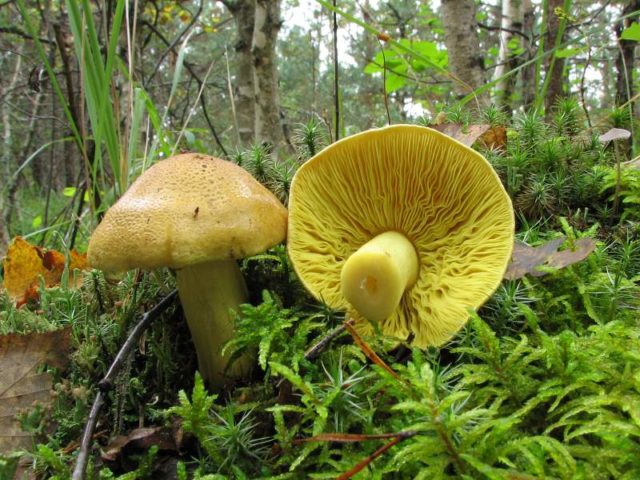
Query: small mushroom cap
185, 210
443, 196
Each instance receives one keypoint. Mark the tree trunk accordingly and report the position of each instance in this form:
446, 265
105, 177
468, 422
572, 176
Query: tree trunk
625, 71
625, 58
555, 65
256, 81
6, 162
461, 39
606, 95
529, 86
512, 19
263, 48
243, 15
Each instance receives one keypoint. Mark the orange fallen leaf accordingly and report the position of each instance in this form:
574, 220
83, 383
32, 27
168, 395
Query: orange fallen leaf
495, 138
25, 264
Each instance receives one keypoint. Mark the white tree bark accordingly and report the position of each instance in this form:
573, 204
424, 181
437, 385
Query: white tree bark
6, 159
256, 78
243, 14
511, 20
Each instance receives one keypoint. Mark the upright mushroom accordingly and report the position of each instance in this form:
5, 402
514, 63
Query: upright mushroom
197, 215
403, 224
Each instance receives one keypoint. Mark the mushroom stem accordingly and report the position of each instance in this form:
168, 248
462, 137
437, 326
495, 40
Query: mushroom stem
376, 276
208, 292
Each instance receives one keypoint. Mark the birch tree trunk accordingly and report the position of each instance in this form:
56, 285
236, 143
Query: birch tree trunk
243, 15
265, 33
512, 19
461, 39
7, 154
256, 77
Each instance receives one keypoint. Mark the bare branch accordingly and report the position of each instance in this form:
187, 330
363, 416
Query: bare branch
20, 33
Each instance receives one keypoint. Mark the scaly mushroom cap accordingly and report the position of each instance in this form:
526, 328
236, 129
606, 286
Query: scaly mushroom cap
444, 197
184, 210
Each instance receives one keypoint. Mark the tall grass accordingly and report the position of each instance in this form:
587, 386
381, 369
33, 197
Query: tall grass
114, 151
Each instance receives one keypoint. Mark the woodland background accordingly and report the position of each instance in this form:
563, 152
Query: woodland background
217, 77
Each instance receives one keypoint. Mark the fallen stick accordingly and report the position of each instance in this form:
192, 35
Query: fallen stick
106, 383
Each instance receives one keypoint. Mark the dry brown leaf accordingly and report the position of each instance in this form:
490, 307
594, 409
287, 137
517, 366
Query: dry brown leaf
21, 386
581, 250
25, 263
465, 135
527, 260
142, 438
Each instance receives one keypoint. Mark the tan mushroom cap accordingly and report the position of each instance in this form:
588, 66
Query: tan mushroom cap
184, 210
443, 196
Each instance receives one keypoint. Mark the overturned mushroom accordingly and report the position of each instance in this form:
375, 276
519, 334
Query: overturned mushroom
403, 224
196, 214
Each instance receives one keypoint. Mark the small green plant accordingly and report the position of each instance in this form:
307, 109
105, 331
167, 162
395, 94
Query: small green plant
228, 435
629, 189
310, 138
276, 333
566, 116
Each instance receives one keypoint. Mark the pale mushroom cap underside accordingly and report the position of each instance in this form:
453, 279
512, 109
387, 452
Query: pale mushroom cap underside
184, 210
443, 196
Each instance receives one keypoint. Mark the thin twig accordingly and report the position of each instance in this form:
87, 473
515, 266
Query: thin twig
353, 437
106, 383
76, 221
384, 82
366, 349
189, 67
87, 436
232, 99
504, 29
366, 461
319, 347
174, 42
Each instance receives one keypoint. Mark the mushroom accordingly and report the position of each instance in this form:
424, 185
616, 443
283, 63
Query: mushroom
402, 226
197, 215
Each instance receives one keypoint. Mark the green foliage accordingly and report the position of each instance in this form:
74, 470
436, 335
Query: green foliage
310, 138
399, 67
627, 186
227, 435
552, 168
276, 333
632, 32
194, 412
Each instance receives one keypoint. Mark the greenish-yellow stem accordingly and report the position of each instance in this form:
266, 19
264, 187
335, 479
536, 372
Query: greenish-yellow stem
208, 293
376, 276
